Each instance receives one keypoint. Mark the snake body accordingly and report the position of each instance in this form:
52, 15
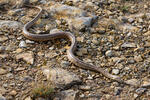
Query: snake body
70, 51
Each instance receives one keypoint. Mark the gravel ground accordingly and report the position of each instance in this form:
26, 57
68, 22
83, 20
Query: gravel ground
112, 34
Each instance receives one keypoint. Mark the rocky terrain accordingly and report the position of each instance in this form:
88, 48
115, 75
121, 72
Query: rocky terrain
111, 34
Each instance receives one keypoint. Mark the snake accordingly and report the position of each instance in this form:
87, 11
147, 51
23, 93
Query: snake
71, 51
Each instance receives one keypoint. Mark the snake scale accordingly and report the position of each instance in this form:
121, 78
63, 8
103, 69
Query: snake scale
70, 51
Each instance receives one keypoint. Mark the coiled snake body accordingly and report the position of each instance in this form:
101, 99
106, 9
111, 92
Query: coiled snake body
70, 51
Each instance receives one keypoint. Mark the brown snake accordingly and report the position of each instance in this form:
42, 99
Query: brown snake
70, 51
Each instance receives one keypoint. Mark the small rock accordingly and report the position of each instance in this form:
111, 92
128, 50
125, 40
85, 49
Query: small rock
133, 82
22, 44
148, 93
147, 33
28, 98
10, 75
10, 24
68, 95
2, 98
85, 87
117, 91
146, 84
55, 31
80, 23
20, 69
138, 58
19, 50
61, 77
2, 90
109, 53
82, 51
140, 90
74, 1
140, 20
112, 1
27, 79
10, 48
115, 71
3, 38
124, 19
13, 93
95, 41
30, 42
28, 57
21, 3
130, 61
2, 48
2, 71
128, 45
14, 12
66, 11
65, 63
80, 39
147, 44
41, 98
90, 77
135, 95
3, 55
131, 20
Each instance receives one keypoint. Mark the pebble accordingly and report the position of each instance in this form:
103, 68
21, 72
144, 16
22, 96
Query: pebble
55, 31
3, 38
21, 3
19, 50
10, 48
14, 12
60, 77
29, 42
133, 82
138, 58
80, 39
115, 71
124, 19
148, 93
2, 48
65, 63
131, 20
80, 23
13, 93
135, 95
10, 24
68, 95
28, 57
128, 45
130, 61
20, 69
28, 98
66, 11
74, 1
2, 71
95, 41
22, 44
82, 51
9, 75
2, 98
147, 33
85, 87
3, 90
117, 91
109, 53
139, 91
27, 79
